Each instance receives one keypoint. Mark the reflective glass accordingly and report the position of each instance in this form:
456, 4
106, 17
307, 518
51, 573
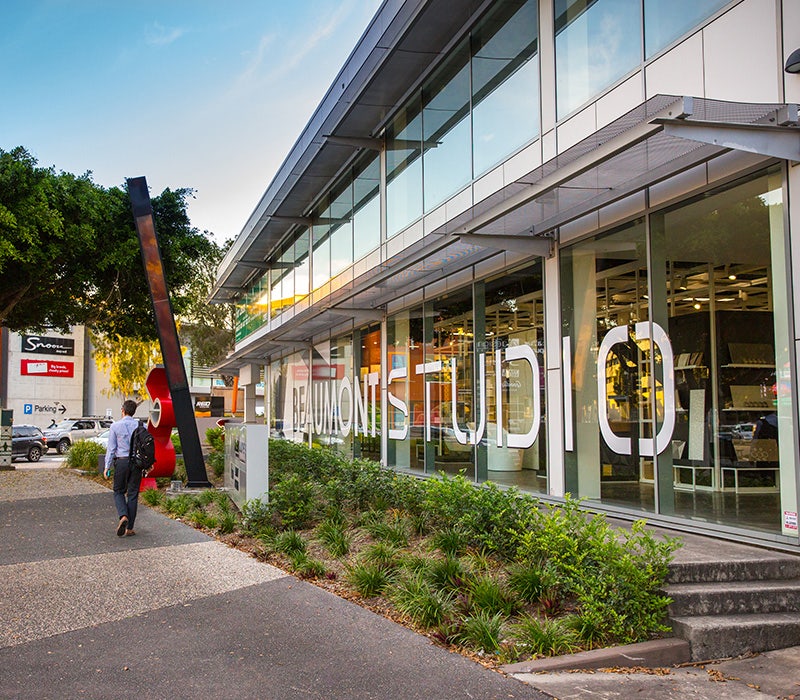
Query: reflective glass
666, 20
505, 82
405, 390
404, 169
513, 318
366, 209
597, 42
446, 129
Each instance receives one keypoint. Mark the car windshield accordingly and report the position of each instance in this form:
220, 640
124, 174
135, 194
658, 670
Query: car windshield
104, 434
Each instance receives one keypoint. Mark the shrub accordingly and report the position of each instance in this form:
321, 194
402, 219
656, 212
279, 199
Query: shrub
447, 574
381, 554
367, 578
482, 631
179, 505
335, 537
153, 497
305, 566
289, 542
415, 598
488, 595
256, 516
545, 636
292, 499
84, 454
216, 462
215, 437
451, 541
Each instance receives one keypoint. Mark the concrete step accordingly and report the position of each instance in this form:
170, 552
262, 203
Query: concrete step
733, 598
724, 636
764, 566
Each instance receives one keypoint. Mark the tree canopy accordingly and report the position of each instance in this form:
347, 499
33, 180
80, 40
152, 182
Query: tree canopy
69, 253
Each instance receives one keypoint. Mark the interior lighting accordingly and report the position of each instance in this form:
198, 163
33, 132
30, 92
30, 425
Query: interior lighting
696, 305
793, 62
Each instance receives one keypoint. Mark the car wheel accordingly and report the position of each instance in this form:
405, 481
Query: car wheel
34, 453
63, 446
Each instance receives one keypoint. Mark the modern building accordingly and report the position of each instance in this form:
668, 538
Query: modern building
550, 244
51, 376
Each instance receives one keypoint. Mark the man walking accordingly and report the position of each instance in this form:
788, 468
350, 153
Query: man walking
126, 479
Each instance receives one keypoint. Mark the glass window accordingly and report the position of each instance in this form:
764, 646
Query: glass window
368, 444
666, 20
605, 301
321, 265
505, 82
452, 420
366, 208
406, 390
514, 446
597, 42
404, 169
727, 324
446, 129
302, 265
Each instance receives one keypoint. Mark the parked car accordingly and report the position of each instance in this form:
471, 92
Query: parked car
62, 435
27, 441
101, 439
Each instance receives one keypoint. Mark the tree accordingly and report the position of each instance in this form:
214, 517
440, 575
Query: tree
69, 253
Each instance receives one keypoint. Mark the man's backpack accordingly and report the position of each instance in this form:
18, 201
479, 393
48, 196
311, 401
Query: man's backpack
143, 449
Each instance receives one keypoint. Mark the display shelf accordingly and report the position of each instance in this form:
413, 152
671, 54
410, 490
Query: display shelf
746, 366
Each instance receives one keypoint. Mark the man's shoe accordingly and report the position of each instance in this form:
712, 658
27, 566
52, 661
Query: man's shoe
130, 533
122, 526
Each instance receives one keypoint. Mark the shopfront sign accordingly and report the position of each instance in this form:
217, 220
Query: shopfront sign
47, 368
45, 345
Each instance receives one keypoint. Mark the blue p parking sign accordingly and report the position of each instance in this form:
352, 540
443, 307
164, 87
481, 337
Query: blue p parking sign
27, 409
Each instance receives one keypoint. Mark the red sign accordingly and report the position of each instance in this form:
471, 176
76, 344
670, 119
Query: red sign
47, 368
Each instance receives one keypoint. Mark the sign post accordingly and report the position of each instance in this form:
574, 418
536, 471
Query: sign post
6, 449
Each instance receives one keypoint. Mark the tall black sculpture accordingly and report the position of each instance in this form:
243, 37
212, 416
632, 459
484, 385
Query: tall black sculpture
167, 333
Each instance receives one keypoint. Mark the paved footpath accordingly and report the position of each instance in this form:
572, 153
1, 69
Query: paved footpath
172, 613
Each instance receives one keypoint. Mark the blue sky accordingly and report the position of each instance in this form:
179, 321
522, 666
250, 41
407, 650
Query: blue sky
190, 93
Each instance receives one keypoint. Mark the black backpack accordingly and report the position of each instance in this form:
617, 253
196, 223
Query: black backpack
143, 449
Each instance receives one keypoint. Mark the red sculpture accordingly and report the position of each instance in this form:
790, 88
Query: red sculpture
160, 425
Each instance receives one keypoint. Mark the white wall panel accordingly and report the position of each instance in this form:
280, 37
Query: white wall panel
740, 51
529, 158
488, 184
678, 185
577, 128
679, 71
620, 100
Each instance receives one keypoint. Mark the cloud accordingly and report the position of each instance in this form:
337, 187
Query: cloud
158, 35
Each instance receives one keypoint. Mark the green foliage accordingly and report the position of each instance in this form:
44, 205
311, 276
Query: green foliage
543, 636
74, 252
290, 542
451, 541
447, 574
614, 575
179, 505
84, 455
153, 497
227, 522
175, 438
417, 599
216, 462
367, 578
216, 438
529, 580
489, 595
305, 566
293, 500
482, 631
333, 534
381, 554
256, 516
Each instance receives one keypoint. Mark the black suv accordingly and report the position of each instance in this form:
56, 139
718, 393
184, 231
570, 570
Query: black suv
27, 441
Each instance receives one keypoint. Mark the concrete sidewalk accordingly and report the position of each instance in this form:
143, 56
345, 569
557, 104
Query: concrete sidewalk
173, 613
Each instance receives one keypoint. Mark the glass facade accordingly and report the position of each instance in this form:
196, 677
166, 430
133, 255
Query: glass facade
675, 330
675, 324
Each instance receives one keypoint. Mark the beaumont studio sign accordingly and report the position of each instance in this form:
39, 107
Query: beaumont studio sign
339, 405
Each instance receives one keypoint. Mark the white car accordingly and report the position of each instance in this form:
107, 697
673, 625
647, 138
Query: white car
101, 439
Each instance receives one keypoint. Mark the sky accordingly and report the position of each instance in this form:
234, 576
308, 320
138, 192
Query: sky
205, 94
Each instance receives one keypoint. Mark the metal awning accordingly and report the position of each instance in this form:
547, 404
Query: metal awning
659, 138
